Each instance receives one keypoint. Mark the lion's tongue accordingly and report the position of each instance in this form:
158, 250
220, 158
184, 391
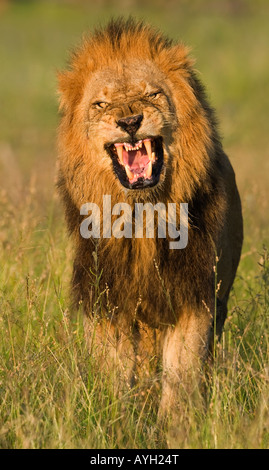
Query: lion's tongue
137, 164
135, 159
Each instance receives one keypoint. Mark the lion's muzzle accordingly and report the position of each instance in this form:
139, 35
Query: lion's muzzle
131, 124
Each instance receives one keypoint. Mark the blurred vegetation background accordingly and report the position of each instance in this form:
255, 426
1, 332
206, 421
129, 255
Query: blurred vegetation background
49, 396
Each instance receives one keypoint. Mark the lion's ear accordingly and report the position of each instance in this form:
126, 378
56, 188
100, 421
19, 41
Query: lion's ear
175, 58
69, 89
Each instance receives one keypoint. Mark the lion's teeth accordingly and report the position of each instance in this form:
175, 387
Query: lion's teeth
119, 152
129, 173
153, 157
147, 144
149, 170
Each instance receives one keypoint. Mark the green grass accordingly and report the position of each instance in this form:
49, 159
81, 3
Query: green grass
52, 393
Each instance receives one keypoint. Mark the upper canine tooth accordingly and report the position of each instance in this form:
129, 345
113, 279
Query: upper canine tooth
119, 149
147, 143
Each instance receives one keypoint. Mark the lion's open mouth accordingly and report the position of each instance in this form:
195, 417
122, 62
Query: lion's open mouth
137, 166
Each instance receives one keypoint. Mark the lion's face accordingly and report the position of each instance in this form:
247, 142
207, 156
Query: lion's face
128, 116
135, 121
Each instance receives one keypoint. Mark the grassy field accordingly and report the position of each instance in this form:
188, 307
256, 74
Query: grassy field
52, 394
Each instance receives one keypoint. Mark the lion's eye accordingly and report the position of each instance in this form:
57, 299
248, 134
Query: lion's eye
100, 104
154, 95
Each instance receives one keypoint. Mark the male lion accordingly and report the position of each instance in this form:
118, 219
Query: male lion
136, 125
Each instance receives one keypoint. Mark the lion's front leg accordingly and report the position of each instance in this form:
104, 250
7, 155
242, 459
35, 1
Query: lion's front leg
112, 346
185, 346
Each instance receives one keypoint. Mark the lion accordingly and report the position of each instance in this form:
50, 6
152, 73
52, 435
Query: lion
136, 125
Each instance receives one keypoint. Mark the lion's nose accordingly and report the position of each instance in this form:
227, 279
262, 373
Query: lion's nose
130, 124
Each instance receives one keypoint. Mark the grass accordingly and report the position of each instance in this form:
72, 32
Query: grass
52, 393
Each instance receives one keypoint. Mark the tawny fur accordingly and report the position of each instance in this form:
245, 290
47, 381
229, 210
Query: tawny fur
161, 300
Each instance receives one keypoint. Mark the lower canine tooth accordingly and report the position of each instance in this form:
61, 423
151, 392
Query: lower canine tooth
129, 173
149, 170
153, 157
